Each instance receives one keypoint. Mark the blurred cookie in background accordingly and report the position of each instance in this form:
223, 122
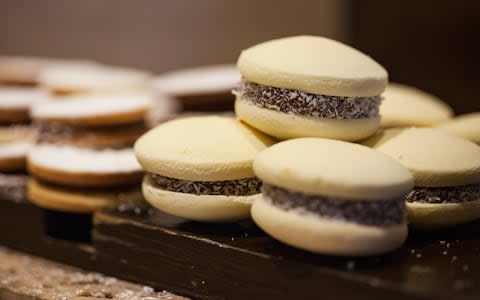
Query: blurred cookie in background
405, 106
206, 88
466, 126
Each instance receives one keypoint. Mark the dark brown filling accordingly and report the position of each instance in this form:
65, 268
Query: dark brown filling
366, 212
237, 187
457, 194
306, 104
13, 187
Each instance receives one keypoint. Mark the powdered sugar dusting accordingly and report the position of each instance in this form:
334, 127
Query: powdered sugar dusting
16, 149
73, 159
20, 97
92, 105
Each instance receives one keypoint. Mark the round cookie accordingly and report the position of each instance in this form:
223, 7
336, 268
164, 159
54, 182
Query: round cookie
69, 79
93, 120
332, 197
404, 106
15, 103
466, 126
13, 156
200, 168
307, 86
24, 70
81, 167
78, 200
446, 170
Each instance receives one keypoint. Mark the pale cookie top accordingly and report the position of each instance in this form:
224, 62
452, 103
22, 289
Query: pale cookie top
333, 168
436, 158
83, 160
315, 65
200, 80
404, 106
206, 148
466, 126
91, 105
15, 149
87, 78
19, 97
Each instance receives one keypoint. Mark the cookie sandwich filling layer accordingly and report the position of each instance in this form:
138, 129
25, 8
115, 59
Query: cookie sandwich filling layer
237, 187
296, 102
388, 212
456, 194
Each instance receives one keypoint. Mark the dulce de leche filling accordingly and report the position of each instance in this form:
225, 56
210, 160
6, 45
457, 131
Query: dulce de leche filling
305, 104
388, 212
456, 194
237, 187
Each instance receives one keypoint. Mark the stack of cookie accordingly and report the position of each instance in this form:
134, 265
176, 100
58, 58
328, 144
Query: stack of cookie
16, 138
83, 160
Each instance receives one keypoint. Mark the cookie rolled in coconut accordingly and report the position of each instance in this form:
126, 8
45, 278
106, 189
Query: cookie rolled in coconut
309, 86
446, 169
200, 168
332, 197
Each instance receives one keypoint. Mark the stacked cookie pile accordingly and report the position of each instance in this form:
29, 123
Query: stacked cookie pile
83, 160
320, 190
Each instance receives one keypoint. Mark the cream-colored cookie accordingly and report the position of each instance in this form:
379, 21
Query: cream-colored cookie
13, 155
94, 109
334, 169
323, 235
78, 201
204, 208
436, 158
206, 148
466, 126
73, 166
15, 102
287, 126
404, 106
440, 215
67, 79
313, 64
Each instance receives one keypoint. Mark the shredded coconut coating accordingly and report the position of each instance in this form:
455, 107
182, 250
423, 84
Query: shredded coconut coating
457, 194
388, 212
306, 104
238, 187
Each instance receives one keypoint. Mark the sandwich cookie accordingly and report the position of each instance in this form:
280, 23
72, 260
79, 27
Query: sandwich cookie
466, 126
446, 170
308, 86
24, 70
332, 197
93, 120
79, 200
13, 178
71, 79
15, 103
405, 106
205, 88
200, 168
82, 167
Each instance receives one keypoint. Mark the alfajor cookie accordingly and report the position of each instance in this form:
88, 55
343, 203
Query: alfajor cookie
25, 70
332, 197
82, 167
93, 120
15, 103
405, 106
205, 88
200, 168
466, 126
79, 200
308, 86
71, 79
446, 169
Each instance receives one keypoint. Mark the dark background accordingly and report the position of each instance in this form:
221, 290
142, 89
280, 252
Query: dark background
433, 45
